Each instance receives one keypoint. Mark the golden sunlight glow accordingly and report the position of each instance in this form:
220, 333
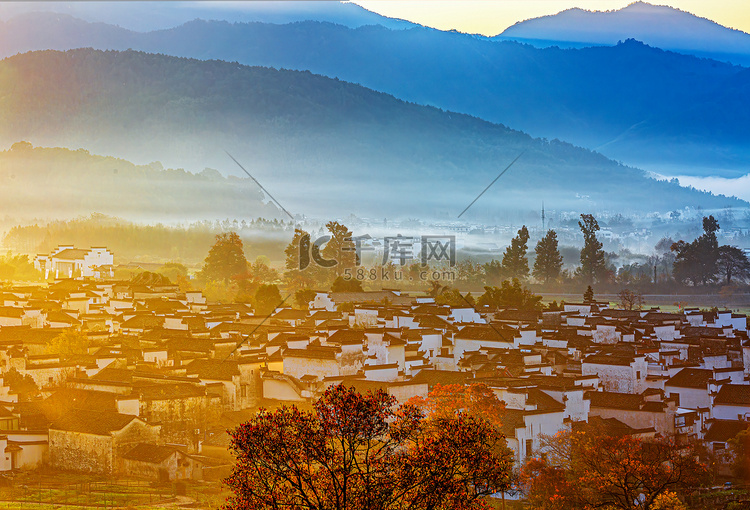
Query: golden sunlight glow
491, 17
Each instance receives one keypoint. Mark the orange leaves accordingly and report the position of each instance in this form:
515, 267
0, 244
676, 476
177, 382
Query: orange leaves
447, 400
359, 452
590, 470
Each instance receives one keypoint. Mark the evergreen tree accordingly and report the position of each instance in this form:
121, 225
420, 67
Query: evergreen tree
340, 247
588, 296
548, 261
697, 262
225, 259
708, 250
292, 250
267, 299
493, 272
515, 263
733, 263
593, 265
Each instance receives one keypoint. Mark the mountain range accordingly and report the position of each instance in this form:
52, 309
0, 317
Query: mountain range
656, 25
665, 112
322, 146
148, 15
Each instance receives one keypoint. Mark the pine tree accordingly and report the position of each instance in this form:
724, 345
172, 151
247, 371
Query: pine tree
588, 296
593, 265
515, 263
548, 261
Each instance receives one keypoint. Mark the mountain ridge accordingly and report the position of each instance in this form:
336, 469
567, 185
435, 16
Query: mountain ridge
665, 27
550, 93
347, 148
155, 15
60, 182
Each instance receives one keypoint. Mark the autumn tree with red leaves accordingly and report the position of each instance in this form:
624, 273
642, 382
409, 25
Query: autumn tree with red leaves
363, 452
477, 400
586, 469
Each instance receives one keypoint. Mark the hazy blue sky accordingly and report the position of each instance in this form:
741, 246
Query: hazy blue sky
490, 17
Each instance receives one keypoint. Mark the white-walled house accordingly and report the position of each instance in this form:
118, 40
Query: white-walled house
732, 402
70, 262
691, 384
617, 373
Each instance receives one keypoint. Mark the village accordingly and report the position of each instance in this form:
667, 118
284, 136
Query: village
164, 374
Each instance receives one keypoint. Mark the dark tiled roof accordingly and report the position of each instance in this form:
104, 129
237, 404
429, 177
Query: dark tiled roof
71, 254
220, 439
369, 297
312, 353
100, 423
543, 401
696, 378
518, 315
733, 395
512, 420
170, 391
556, 382
724, 430
67, 400
113, 375
213, 369
611, 426
433, 377
290, 314
163, 305
608, 359
11, 311
494, 334
55, 316
150, 453
432, 321
611, 400
347, 336
143, 322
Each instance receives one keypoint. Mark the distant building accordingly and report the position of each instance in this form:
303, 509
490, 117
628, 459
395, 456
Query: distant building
71, 262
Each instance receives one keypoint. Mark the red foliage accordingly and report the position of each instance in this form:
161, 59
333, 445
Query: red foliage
590, 470
363, 452
477, 400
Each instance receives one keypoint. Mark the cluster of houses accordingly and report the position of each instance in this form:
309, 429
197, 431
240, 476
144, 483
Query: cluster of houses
163, 374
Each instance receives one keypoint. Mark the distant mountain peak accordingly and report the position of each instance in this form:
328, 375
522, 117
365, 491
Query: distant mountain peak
644, 5
659, 26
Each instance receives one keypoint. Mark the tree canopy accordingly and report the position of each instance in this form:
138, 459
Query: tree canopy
226, 258
548, 261
267, 299
703, 261
593, 264
515, 264
589, 468
363, 452
510, 295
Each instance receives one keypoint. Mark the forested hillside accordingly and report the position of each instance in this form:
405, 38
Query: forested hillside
323, 146
635, 103
39, 182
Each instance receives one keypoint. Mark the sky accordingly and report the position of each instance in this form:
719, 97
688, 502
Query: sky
491, 17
